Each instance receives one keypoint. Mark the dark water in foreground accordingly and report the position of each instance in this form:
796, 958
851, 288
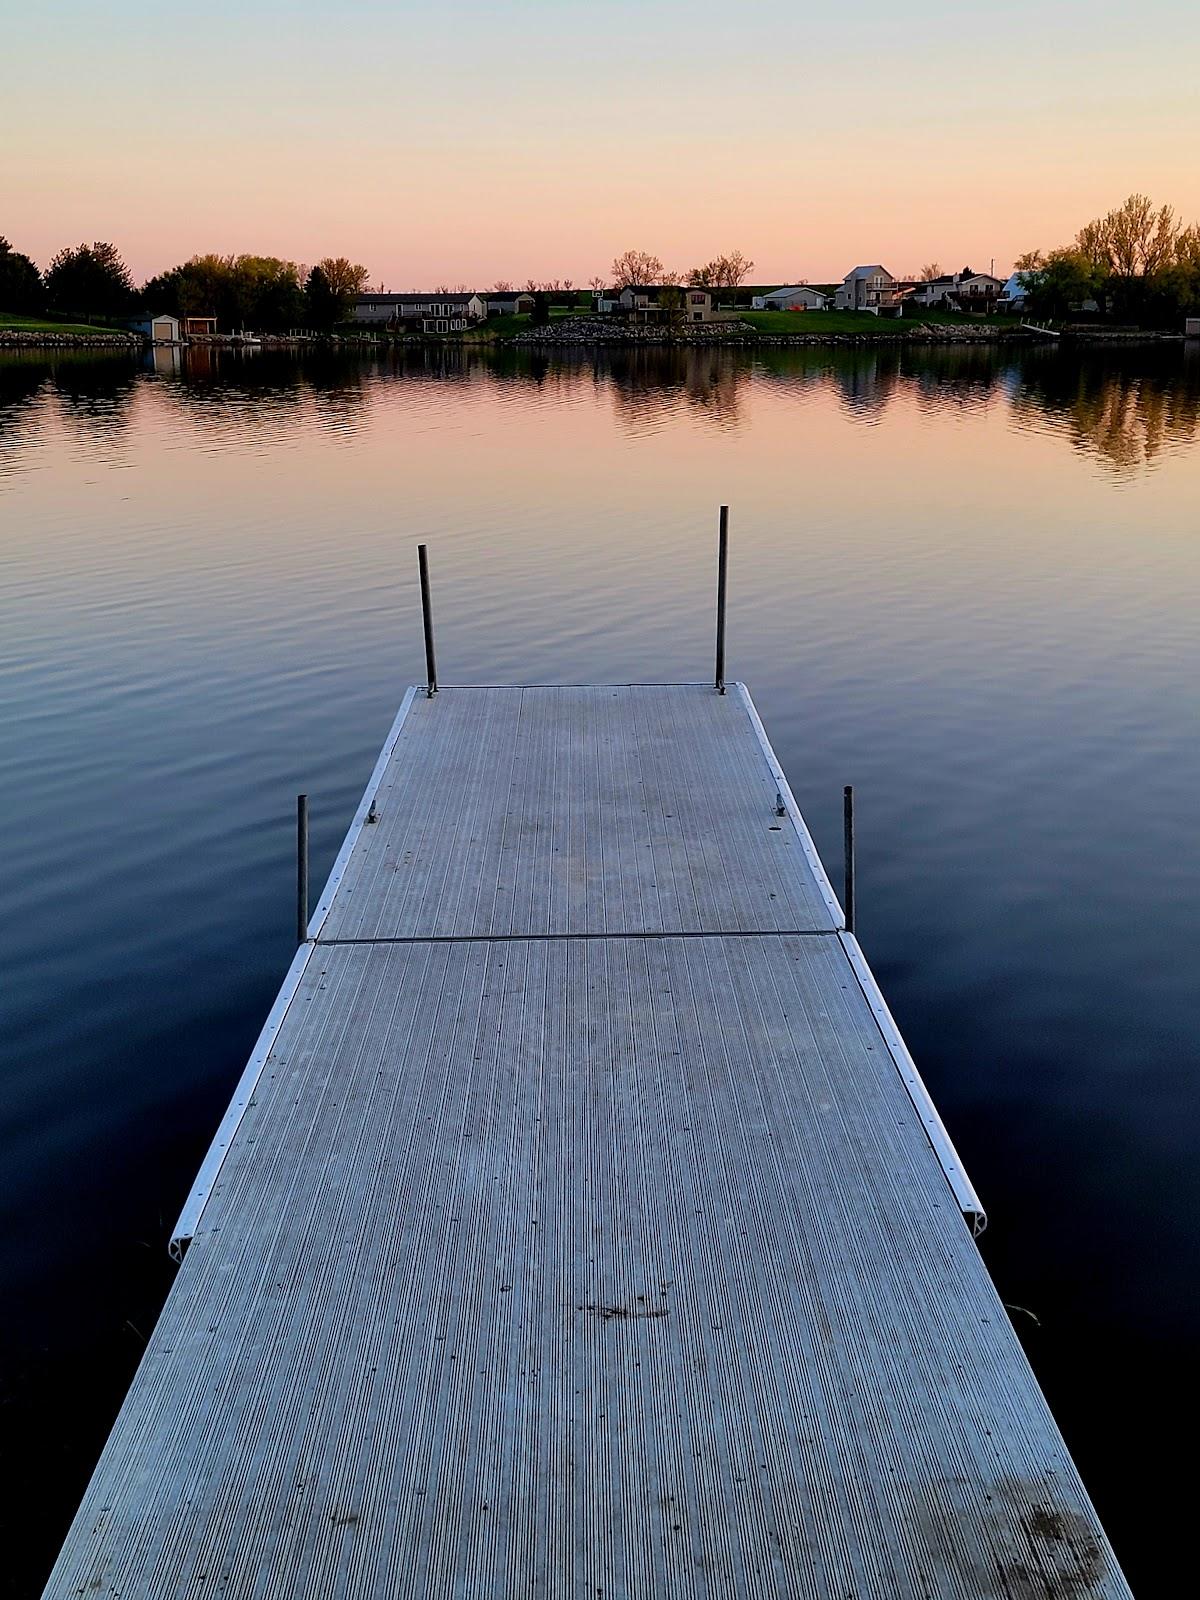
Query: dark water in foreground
965, 582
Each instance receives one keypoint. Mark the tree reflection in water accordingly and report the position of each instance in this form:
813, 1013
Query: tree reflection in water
1124, 407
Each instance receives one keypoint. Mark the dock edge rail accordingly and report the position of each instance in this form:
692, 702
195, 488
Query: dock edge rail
935, 1129
793, 810
969, 1202
210, 1168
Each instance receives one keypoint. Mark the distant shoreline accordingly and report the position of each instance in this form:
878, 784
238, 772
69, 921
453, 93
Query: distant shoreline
587, 335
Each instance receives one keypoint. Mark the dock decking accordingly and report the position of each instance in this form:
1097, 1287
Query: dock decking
581, 1226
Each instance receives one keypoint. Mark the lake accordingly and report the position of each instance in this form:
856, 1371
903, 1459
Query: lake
965, 581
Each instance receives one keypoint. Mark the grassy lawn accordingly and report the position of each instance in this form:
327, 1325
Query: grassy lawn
505, 327
862, 322
498, 328
44, 325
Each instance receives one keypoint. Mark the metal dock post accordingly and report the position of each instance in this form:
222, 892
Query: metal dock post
427, 622
722, 574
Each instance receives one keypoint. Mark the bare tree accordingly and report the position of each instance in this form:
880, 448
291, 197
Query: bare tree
636, 266
502, 286
930, 271
735, 269
597, 284
441, 288
722, 272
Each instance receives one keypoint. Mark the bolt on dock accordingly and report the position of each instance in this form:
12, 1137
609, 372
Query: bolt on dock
581, 1225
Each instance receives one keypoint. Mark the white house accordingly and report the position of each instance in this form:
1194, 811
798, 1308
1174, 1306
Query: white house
800, 298
439, 312
961, 291
870, 288
976, 287
933, 291
1012, 296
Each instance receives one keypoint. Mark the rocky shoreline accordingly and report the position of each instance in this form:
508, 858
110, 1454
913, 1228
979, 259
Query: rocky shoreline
44, 339
602, 330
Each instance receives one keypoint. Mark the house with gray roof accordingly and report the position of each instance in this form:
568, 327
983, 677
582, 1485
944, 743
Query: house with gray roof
960, 291
800, 297
869, 288
438, 312
509, 305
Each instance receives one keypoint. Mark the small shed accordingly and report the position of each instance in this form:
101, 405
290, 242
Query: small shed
159, 330
509, 305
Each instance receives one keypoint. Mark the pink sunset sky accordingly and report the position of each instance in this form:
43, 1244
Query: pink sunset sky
530, 139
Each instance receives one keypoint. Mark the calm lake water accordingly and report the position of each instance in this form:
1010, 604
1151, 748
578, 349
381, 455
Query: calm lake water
966, 582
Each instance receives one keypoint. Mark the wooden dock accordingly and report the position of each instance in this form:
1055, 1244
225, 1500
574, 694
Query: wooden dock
581, 1226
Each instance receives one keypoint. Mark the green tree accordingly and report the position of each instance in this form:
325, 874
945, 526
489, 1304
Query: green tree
89, 281
261, 292
331, 289
1058, 283
1134, 258
160, 294
21, 288
322, 307
670, 301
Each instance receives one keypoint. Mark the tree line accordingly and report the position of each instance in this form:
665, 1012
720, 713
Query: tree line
87, 282
1139, 263
640, 267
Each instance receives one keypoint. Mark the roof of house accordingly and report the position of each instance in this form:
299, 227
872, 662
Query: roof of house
658, 288
795, 288
431, 297
866, 272
950, 279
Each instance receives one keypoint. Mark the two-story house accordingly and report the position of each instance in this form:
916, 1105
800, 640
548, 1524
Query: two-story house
665, 302
960, 291
871, 288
